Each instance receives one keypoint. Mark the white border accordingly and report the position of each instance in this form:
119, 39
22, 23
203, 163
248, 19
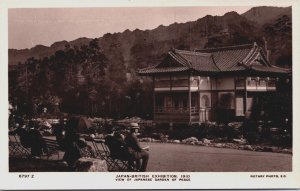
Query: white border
212, 180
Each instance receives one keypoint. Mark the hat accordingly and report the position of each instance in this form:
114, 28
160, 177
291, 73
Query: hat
134, 126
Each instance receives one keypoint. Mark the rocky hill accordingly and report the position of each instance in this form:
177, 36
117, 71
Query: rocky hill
135, 49
263, 15
85, 84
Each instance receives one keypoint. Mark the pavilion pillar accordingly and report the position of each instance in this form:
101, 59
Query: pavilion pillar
189, 98
245, 98
154, 99
199, 99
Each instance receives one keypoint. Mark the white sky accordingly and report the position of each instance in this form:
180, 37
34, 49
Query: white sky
30, 27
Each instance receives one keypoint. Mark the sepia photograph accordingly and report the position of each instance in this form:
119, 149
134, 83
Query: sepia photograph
132, 92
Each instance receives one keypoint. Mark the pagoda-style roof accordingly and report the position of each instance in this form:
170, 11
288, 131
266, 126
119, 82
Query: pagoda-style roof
230, 59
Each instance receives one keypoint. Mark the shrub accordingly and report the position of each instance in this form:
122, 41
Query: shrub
252, 137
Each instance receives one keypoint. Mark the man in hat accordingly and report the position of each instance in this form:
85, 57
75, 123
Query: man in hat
134, 148
116, 145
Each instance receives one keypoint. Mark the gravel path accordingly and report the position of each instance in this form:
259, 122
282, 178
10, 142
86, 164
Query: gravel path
167, 157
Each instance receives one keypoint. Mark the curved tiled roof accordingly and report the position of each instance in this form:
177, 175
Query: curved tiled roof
216, 60
163, 70
272, 69
198, 61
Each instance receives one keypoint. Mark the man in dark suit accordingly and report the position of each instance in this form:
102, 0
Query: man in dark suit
134, 148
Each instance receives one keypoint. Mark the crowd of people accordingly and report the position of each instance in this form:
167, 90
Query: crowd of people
123, 144
30, 136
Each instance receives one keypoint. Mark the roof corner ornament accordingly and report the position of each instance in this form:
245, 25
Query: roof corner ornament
190, 64
243, 64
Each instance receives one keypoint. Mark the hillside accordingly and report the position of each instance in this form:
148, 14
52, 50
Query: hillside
263, 15
85, 79
138, 48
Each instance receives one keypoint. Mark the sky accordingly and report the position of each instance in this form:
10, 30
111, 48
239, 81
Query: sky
28, 27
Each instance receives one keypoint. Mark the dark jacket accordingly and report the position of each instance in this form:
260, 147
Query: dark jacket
133, 145
117, 148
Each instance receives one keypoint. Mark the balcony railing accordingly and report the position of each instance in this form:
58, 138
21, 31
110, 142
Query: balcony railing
205, 114
194, 110
167, 114
171, 110
254, 85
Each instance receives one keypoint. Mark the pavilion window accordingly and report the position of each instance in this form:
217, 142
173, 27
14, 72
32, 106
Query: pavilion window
194, 101
159, 100
226, 100
205, 101
262, 82
240, 82
251, 82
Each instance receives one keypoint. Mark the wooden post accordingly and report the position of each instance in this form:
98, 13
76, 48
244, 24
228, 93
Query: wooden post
189, 99
172, 106
245, 97
154, 101
171, 87
199, 89
235, 79
211, 99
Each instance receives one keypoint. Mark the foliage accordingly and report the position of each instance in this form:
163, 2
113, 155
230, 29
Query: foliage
79, 80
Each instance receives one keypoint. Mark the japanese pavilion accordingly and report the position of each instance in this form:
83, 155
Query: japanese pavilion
190, 86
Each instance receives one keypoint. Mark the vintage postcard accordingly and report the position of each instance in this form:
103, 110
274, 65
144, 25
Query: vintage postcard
149, 95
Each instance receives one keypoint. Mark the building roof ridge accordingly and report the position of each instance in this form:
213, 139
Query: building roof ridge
250, 54
224, 48
193, 52
265, 57
278, 67
213, 60
181, 60
147, 68
273, 66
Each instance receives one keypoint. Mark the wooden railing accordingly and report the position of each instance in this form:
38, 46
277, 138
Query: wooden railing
205, 114
194, 110
195, 114
255, 85
171, 110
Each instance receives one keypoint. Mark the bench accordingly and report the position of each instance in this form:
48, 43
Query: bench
16, 149
52, 148
114, 162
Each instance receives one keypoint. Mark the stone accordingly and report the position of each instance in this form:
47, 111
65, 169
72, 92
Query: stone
206, 141
258, 148
219, 145
232, 146
241, 147
268, 149
176, 141
90, 165
287, 151
190, 140
218, 140
240, 141
199, 143
248, 147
